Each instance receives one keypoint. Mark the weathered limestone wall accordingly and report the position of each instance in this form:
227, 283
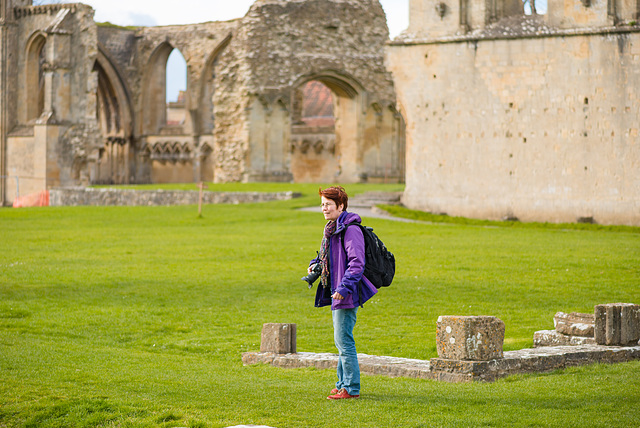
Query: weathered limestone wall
50, 134
231, 106
158, 158
8, 85
524, 121
339, 43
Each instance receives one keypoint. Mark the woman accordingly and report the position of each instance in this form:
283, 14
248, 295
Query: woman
342, 284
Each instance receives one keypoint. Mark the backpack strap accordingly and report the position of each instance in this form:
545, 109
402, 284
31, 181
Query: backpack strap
342, 235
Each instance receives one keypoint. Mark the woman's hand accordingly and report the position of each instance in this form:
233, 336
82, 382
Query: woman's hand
337, 296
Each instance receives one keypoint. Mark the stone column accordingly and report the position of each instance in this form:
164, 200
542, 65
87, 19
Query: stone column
8, 41
3, 105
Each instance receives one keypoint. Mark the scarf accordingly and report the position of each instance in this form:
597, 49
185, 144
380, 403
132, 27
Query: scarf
329, 230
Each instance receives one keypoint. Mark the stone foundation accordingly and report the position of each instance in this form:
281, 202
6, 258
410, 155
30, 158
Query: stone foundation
536, 360
470, 348
127, 197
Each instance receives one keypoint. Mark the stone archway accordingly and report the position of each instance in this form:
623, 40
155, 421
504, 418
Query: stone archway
325, 148
153, 108
35, 79
167, 129
114, 162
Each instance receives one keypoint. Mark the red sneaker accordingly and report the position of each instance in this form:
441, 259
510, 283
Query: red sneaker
341, 394
334, 391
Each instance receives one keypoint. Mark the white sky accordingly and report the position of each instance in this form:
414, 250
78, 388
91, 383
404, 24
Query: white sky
150, 13
154, 12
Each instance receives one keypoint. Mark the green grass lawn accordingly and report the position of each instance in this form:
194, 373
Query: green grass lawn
137, 316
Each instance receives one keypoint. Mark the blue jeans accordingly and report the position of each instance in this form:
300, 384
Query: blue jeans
348, 369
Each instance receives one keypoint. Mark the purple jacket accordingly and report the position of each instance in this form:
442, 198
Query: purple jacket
346, 270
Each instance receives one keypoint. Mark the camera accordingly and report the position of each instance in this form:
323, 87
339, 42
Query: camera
316, 270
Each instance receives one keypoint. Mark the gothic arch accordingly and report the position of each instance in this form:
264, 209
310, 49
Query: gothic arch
113, 98
154, 92
205, 122
34, 78
114, 116
342, 83
336, 152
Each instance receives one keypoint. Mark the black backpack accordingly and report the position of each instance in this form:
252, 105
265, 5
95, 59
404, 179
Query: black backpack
380, 263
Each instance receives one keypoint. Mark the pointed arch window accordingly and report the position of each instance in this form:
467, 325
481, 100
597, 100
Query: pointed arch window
36, 59
176, 87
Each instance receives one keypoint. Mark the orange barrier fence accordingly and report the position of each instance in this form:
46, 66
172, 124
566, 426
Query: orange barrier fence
39, 199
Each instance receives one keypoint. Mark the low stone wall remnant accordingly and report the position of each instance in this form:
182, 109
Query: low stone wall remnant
75, 196
470, 348
523, 361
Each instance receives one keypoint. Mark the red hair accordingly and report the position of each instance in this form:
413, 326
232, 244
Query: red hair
337, 194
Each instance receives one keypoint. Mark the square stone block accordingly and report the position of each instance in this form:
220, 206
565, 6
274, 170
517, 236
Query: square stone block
475, 338
617, 324
278, 338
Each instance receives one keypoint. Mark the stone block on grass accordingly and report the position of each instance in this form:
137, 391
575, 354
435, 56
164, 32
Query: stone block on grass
474, 338
279, 338
617, 324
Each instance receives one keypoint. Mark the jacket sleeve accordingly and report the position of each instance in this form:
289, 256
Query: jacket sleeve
354, 247
314, 261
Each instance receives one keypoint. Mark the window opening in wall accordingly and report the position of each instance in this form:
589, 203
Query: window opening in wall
41, 61
176, 87
313, 130
317, 105
535, 7
35, 78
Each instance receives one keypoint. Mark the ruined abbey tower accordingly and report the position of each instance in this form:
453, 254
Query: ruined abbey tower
518, 116
293, 91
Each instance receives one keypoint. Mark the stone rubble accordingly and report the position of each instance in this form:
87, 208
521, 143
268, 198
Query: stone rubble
574, 324
553, 338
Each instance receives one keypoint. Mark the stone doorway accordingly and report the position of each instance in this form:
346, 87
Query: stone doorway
324, 131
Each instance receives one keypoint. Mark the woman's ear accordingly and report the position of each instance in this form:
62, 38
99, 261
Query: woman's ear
341, 207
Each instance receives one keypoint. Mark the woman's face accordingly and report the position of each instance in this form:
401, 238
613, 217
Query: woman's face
330, 210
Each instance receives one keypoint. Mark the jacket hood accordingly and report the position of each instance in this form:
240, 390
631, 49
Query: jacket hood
345, 219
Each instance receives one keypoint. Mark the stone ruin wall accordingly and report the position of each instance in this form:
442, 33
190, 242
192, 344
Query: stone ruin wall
208, 52
534, 119
50, 146
339, 43
105, 114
